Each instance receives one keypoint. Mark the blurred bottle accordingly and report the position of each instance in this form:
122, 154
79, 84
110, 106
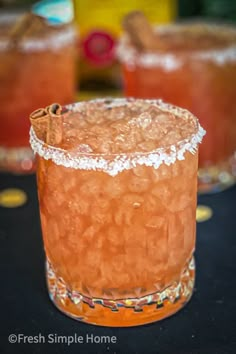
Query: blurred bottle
188, 8
100, 26
220, 9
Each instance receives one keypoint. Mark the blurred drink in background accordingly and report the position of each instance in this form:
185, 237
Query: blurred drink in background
194, 68
37, 67
100, 27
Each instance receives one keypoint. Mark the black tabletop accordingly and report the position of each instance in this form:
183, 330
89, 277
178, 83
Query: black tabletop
205, 326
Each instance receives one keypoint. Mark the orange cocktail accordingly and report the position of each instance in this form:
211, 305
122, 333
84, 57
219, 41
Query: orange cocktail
36, 61
195, 68
117, 183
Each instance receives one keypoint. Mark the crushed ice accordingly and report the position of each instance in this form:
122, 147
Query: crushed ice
116, 163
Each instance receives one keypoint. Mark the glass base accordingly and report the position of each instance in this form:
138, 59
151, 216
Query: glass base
121, 312
19, 160
217, 178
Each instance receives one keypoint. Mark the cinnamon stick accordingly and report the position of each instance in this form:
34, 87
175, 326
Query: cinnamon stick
26, 25
48, 124
39, 122
139, 29
55, 128
141, 32
19, 27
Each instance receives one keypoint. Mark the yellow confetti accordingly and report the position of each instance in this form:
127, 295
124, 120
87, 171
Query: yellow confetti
204, 213
12, 198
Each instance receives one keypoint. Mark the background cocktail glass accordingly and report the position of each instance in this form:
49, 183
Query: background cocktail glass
36, 71
194, 69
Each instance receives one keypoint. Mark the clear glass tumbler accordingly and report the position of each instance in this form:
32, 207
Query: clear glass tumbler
117, 186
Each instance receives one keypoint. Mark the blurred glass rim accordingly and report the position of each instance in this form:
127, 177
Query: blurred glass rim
170, 60
63, 35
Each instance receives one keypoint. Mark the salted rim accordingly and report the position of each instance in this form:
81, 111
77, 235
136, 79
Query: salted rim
53, 41
129, 55
112, 164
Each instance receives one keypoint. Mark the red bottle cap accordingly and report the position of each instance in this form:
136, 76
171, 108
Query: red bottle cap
98, 48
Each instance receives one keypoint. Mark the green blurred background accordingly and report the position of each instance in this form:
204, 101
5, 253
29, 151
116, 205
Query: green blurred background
219, 9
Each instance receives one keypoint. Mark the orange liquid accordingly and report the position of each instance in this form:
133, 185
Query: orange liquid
119, 237
203, 87
29, 80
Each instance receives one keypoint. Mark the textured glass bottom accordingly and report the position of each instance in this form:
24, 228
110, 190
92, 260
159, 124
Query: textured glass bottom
217, 178
17, 160
121, 312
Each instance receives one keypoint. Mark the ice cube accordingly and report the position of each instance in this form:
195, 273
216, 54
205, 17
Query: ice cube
91, 187
171, 137
162, 192
155, 222
84, 148
141, 171
90, 233
100, 210
123, 216
161, 173
157, 249
132, 199
138, 185
80, 204
114, 187
114, 236
135, 236
147, 146
127, 209
175, 240
142, 121
173, 194
153, 205
180, 202
188, 220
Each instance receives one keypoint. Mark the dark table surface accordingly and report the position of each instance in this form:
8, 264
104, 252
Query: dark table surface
205, 326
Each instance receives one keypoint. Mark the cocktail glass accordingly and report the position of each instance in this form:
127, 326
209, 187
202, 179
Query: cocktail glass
35, 71
117, 185
194, 69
